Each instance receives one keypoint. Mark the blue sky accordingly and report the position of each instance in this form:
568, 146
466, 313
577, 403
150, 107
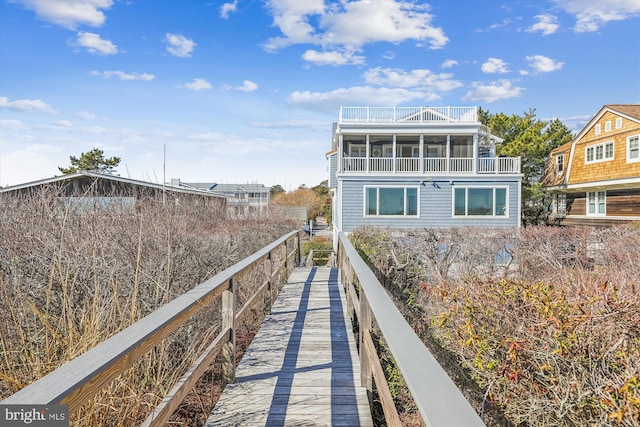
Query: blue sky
245, 91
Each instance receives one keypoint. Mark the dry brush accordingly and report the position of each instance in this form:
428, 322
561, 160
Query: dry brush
70, 278
544, 321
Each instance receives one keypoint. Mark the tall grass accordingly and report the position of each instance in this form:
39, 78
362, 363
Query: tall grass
540, 325
69, 279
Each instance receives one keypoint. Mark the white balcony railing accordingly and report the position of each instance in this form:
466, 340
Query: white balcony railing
354, 164
380, 164
407, 164
464, 165
408, 114
437, 166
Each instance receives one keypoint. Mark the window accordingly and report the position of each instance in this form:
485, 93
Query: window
596, 203
561, 204
600, 152
607, 126
357, 150
479, 201
407, 151
598, 129
633, 149
619, 123
559, 163
391, 201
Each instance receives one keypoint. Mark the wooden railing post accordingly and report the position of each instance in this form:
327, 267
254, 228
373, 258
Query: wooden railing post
364, 322
268, 269
299, 244
286, 256
229, 322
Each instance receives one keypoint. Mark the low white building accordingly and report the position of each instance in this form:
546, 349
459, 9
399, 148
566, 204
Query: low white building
242, 199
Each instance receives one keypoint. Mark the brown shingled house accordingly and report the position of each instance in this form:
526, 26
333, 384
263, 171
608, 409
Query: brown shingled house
595, 179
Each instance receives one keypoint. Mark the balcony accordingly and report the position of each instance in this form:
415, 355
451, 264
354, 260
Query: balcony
384, 115
431, 166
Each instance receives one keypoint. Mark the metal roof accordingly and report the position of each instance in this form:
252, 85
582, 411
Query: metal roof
110, 177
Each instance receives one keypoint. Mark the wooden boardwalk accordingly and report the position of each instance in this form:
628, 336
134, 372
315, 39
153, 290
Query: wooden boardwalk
302, 367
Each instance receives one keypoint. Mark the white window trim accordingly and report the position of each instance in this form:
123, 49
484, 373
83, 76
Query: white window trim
405, 187
598, 129
607, 126
597, 203
629, 159
604, 152
558, 157
619, 123
466, 205
560, 204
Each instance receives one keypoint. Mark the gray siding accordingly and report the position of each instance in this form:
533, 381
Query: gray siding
333, 170
436, 205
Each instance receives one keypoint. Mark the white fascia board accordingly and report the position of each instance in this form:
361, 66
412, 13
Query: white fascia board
607, 183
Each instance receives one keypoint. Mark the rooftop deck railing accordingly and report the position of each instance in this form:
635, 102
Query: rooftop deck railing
408, 114
438, 399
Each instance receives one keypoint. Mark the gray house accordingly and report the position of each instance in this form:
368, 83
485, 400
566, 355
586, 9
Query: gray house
419, 167
242, 199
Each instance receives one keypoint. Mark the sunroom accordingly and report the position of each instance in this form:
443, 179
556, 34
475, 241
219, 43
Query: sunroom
423, 153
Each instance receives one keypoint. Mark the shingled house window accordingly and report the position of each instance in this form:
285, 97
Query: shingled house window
633, 149
559, 163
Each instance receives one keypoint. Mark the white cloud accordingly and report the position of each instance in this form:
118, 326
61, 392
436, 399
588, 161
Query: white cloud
449, 63
389, 55
495, 65
64, 123
198, 84
219, 143
494, 91
69, 13
94, 44
228, 8
592, 14
247, 86
317, 125
85, 115
423, 79
364, 21
331, 101
495, 26
30, 161
122, 75
179, 45
333, 58
352, 24
27, 105
547, 24
12, 124
543, 64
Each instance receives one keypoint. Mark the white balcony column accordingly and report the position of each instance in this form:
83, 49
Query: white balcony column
340, 165
475, 153
448, 153
393, 155
368, 158
421, 153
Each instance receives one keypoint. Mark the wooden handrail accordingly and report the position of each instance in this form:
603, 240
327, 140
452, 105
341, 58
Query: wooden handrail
438, 399
75, 382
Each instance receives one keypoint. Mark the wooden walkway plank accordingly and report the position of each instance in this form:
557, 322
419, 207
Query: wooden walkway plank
302, 368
